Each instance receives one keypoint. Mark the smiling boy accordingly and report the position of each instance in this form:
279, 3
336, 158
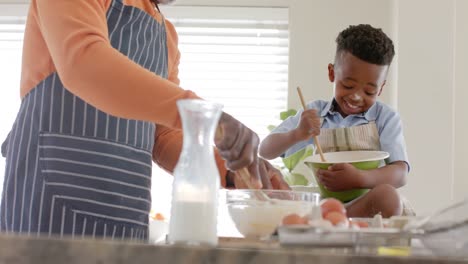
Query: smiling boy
353, 120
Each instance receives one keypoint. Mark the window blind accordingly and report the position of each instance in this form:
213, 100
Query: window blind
239, 59
11, 32
11, 44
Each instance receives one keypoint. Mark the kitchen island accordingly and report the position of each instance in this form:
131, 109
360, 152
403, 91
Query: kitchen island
24, 250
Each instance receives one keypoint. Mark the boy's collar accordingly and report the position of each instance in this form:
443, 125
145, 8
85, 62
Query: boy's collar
369, 115
328, 109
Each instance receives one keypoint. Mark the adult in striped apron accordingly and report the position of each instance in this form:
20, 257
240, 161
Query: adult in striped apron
75, 170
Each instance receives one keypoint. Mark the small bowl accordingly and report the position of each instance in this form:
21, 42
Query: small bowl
258, 219
158, 230
363, 160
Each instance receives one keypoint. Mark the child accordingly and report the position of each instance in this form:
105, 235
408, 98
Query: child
353, 120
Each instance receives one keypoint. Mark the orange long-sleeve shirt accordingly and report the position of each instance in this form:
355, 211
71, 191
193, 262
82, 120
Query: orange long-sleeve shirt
71, 38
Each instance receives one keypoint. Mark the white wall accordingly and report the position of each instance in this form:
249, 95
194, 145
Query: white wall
426, 98
16, 9
461, 94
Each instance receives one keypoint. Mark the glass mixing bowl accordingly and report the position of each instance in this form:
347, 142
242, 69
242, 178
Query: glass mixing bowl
258, 218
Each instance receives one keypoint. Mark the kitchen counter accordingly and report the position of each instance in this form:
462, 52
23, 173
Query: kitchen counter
23, 249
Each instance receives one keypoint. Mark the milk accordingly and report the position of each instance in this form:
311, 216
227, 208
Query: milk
193, 222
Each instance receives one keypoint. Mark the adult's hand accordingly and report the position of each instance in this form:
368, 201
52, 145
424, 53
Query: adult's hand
238, 145
270, 176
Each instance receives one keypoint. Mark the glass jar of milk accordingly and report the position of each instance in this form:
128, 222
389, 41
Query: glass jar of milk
196, 177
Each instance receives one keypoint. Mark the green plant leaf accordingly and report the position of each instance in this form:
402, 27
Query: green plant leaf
283, 116
287, 113
291, 161
309, 151
296, 179
271, 127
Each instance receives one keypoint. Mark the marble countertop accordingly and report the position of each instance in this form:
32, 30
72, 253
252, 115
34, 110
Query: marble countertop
23, 249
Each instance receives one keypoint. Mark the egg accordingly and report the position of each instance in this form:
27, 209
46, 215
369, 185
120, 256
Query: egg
360, 224
332, 205
294, 219
337, 219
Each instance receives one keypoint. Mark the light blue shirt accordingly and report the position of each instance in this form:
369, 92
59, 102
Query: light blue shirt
387, 120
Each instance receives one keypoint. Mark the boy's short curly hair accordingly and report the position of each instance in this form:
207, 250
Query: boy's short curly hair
367, 43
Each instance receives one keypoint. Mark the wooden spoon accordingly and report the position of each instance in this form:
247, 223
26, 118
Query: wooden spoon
245, 175
315, 137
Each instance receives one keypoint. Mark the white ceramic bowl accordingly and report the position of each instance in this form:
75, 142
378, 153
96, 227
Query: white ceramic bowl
157, 230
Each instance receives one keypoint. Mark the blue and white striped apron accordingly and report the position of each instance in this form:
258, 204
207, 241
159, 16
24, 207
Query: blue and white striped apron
74, 170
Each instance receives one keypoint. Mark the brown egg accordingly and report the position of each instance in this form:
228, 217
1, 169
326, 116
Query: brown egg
337, 218
360, 224
294, 219
332, 205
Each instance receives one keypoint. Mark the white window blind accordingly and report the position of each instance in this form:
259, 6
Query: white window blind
237, 57
11, 44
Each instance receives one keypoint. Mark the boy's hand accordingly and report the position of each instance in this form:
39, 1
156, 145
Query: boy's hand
309, 125
340, 177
